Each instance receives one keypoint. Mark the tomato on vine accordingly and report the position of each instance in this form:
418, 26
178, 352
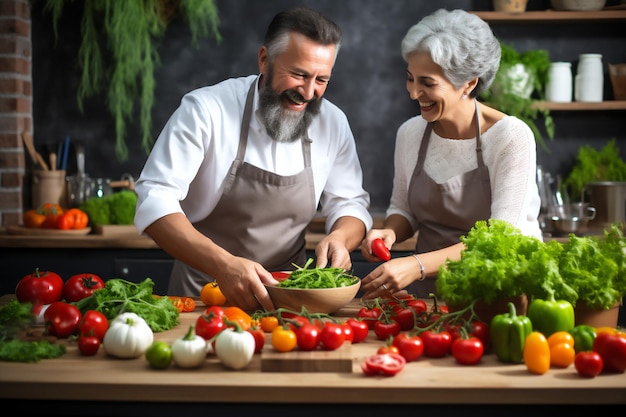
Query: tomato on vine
284, 339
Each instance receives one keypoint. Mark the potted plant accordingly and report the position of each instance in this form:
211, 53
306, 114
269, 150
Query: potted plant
119, 52
519, 85
594, 165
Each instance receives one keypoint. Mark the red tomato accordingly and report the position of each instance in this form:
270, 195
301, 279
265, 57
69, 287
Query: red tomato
468, 351
259, 338
39, 287
360, 330
436, 345
370, 315
612, 349
384, 330
210, 323
308, 336
379, 250
405, 316
410, 347
387, 348
93, 323
588, 364
347, 332
73, 218
81, 286
332, 336
62, 319
480, 329
387, 364
88, 345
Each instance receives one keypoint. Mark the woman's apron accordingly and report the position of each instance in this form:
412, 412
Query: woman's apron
449, 210
261, 216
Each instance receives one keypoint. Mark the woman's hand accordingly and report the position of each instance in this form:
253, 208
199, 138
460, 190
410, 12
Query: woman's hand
390, 278
387, 235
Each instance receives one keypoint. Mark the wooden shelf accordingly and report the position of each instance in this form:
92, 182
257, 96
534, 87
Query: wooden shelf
580, 106
546, 16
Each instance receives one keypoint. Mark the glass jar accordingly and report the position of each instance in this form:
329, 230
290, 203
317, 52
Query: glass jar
589, 78
559, 88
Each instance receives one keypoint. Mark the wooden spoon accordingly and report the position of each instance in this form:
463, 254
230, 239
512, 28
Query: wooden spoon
36, 156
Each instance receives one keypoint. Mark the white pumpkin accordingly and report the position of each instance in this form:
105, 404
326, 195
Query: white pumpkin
128, 336
234, 347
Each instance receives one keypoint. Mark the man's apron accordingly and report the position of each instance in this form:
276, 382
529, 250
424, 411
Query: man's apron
449, 210
261, 216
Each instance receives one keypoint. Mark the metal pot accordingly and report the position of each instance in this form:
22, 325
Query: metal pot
567, 225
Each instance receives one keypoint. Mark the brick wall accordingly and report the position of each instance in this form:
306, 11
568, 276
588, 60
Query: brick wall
15, 105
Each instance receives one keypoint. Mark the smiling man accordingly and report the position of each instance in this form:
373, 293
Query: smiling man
241, 167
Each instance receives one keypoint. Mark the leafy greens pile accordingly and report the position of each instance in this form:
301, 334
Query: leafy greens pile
119, 296
318, 277
500, 262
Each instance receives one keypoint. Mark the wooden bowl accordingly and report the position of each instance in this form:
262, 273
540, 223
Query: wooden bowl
316, 300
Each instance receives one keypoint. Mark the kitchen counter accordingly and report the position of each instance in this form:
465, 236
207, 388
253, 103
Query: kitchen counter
75, 379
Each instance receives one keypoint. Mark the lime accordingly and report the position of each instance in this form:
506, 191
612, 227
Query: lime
159, 354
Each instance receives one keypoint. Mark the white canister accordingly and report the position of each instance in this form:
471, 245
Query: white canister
589, 83
559, 87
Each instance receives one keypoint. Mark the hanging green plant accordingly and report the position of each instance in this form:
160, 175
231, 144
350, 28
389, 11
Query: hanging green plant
519, 84
119, 52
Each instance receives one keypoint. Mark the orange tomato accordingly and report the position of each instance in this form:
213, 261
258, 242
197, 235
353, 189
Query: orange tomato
562, 355
284, 339
33, 218
189, 304
269, 323
559, 337
236, 314
211, 295
178, 303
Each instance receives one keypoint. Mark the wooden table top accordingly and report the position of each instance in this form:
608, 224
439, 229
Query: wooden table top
100, 378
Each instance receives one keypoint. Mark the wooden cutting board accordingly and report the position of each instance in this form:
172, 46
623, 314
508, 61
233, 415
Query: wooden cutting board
34, 231
318, 360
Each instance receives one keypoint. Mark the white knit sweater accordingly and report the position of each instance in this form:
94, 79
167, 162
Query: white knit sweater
509, 151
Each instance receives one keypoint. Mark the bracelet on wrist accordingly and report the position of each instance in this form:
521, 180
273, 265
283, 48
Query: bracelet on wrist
422, 269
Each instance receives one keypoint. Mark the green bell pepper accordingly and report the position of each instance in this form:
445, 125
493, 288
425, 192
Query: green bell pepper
508, 334
551, 316
584, 336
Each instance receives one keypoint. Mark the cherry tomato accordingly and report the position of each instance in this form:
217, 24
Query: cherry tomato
81, 286
388, 348
360, 329
347, 332
39, 287
159, 354
410, 347
88, 345
436, 345
259, 338
386, 364
62, 319
268, 323
284, 339
332, 336
480, 329
93, 323
405, 316
467, 351
211, 294
370, 315
52, 211
588, 364
308, 336
385, 329
379, 250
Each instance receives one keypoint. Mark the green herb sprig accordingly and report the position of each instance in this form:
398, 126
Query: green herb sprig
318, 277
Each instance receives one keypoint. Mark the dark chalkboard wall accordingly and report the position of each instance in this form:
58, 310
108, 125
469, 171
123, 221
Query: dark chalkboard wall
368, 80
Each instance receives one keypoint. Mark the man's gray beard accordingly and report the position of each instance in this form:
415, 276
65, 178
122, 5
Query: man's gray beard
284, 125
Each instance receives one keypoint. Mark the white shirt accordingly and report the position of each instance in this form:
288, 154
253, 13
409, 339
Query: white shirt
186, 169
509, 151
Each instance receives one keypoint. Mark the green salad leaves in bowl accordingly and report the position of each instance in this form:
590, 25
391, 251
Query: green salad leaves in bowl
319, 290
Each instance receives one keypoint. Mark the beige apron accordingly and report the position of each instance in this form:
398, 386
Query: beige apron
261, 216
449, 210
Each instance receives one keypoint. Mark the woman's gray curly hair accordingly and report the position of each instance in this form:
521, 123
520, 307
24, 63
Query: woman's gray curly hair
461, 43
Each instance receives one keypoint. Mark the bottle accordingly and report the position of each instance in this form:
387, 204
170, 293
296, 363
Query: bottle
589, 78
559, 87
